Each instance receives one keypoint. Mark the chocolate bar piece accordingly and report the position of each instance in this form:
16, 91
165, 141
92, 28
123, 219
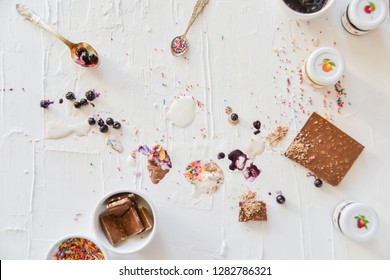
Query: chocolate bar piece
119, 205
112, 229
120, 209
324, 149
146, 220
157, 173
252, 211
131, 222
120, 198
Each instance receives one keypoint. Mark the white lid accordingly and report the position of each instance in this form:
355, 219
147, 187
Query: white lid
367, 14
358, 221
325, 66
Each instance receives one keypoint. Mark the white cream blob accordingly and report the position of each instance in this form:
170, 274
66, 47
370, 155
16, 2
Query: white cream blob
131, 161
209, 185
59, 130
255, 147
206, 178
181, 112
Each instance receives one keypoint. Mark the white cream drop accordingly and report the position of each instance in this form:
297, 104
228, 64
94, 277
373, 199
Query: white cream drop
131, 161
255, 147
182, 111
59, 130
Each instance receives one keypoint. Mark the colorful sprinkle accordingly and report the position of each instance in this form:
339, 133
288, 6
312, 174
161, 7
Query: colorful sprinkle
179, 45
340, 93
78, 249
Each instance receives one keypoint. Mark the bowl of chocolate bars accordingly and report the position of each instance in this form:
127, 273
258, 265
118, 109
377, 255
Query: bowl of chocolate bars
124, 222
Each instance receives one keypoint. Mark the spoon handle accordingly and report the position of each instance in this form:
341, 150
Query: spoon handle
34, 18
199, 6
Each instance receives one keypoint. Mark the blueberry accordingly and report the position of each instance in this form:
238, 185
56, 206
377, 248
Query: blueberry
90, 95
70, 96
85, 57
91, 121
256, 132
93, 58
318, 183
103, 128
84, 102
117, 125
280, 199
45, 104
221, 156
257, 125
110, 121
80, 51
234, 117
77, 104
61, 101
100, 122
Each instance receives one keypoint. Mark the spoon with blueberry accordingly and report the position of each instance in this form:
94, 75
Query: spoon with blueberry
82, 53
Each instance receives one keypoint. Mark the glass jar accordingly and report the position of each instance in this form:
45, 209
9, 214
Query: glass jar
362, 16
324, 67
355, 220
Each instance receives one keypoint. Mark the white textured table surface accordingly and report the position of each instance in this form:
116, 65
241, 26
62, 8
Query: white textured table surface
241, 54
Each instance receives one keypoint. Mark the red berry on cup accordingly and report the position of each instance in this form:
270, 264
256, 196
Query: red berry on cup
362, 221
370, 8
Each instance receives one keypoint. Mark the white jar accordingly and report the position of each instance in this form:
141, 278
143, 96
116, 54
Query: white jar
355, 220
362, 16
324, 67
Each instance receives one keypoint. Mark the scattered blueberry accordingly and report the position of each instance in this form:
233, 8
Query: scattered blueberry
257, 125
85, 57
91, 121
318, 183
70, 96
280, 199
256, 132
234, 117
103, 128
80, 51
117, 125
100, 122
77, 104
109, 121
93, 59
45, 103
61, 101
221, 156
90, 95
83, 102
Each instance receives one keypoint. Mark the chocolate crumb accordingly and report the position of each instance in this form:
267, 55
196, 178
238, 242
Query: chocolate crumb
277, 136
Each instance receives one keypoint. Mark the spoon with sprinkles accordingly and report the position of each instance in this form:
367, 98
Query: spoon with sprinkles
81, 53
179, 44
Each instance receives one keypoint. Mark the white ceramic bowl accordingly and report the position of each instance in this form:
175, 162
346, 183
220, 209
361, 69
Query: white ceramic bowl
54, 248
302, 16
131, 244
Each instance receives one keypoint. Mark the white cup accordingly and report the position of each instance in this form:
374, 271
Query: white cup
133, 243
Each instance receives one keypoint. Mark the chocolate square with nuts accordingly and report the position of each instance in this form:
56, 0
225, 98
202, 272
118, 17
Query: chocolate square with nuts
252, 211
324, 149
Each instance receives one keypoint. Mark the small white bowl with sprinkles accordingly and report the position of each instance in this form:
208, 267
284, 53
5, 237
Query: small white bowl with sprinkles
76, 247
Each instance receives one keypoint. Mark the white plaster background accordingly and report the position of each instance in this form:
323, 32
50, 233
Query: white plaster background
48, 188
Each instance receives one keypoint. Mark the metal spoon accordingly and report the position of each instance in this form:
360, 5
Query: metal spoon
82, 53
179, 44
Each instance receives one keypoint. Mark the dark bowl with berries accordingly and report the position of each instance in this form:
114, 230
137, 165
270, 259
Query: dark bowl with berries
305, 9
